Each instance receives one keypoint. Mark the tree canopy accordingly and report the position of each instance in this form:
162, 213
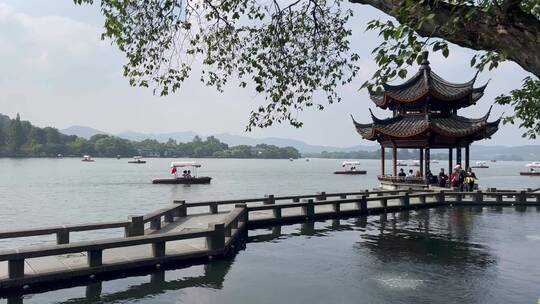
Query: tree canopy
290, 51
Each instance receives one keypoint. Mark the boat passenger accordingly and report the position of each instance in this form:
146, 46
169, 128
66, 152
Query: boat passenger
410, 175
401, 173
432, 179
184, 174
188, 175
443, 178
470, 178
418, 174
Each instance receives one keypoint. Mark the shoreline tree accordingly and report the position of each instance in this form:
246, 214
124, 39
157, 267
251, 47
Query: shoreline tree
289, 51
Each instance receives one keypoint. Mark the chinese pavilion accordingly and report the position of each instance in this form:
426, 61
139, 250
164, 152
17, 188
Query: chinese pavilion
425, 117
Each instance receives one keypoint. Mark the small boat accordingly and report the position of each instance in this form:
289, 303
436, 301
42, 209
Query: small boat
60, 156
350, 168
416, 163
480, 164
290, 159
493, 160
117, 156
434, 161
533, 169
307, 159
87, 158
401, 163
186, 177
137, 160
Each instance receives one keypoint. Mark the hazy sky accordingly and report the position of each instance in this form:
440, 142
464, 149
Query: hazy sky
55, 71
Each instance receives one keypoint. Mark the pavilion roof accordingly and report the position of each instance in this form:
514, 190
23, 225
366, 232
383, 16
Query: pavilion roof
424, 83
411, 125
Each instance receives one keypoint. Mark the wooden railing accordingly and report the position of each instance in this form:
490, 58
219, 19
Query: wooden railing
272, 199
63, 232
218, 237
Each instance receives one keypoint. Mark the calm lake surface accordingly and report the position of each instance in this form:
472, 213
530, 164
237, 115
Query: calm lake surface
443, 255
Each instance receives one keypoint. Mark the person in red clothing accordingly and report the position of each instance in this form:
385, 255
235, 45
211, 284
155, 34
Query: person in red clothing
457, 178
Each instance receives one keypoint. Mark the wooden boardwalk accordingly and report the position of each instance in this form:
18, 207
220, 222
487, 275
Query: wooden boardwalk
186, 233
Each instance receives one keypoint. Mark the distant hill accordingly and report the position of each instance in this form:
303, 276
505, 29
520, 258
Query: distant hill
184, 137
81, 131
230, 139
528, 152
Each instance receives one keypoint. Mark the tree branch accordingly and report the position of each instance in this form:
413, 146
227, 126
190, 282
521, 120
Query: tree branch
513, 33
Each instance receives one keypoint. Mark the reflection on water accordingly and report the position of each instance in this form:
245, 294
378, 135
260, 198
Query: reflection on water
441, 255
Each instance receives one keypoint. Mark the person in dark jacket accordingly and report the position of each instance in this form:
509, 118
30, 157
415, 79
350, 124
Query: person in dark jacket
443, 178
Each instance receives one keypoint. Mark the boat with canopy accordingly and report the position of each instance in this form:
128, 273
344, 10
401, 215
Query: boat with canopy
480, 164
350, 168
188, 176
87, 158
533, 169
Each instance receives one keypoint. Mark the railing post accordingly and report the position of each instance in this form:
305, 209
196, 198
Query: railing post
362, 203
537, 198
228, 230
459, 197
244, 217
384, 202
62, 237
521, 197
16, 268
155, 224
296, 200
479, 197
336, 207
135, 226
181, 210
405, 200
498, 198
308, 209
213, 208
169, 217
95, 258
277, 212
216, 240
321, 196
343, 196
158, 249
422, 199
269, 199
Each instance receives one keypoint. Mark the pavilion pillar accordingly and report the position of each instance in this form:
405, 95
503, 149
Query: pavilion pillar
467, 156
427, 161
458, 155
450, 161
394, 161
382, 160
421, 162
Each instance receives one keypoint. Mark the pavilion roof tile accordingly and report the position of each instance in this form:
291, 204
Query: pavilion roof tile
426, 82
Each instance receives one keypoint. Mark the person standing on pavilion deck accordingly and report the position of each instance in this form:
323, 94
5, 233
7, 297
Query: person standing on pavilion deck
425, 116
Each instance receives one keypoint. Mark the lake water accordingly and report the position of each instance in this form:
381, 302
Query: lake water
459, 255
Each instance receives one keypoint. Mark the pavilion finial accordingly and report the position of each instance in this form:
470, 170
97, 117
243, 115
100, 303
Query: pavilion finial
425, 61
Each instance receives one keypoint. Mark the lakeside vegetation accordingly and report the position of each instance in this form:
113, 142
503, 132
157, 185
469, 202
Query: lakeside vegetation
20, 138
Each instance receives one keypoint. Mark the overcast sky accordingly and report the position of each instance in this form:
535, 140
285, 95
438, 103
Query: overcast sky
55, 71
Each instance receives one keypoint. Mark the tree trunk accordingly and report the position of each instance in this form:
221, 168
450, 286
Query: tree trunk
512, 31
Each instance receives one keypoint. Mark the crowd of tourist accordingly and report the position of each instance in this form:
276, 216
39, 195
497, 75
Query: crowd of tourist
459, 179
